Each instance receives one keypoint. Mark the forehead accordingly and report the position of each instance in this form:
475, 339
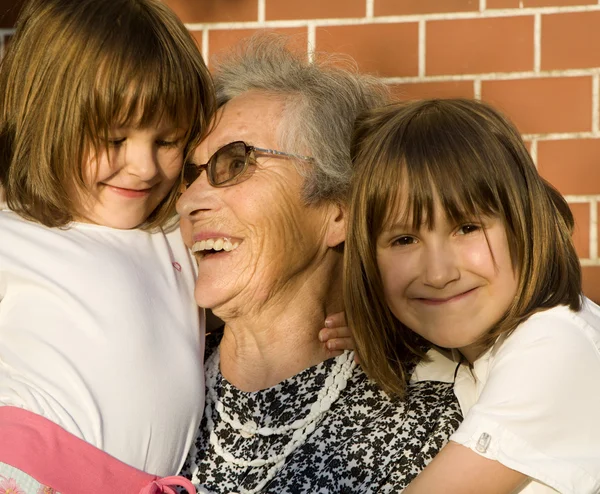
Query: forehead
252, 117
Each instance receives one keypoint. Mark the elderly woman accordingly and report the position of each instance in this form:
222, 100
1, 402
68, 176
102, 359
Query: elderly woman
264, 213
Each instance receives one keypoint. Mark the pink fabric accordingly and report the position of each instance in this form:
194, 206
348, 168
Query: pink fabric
56, 458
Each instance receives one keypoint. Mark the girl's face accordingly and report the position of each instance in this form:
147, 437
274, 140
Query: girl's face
126, 182
451, 284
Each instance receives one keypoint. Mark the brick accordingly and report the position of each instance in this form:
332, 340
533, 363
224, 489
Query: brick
384, 49
9, 11
570, 41
205, 11
409, 7
420, 90
313, 9
591, 282
545, 104
581, 234
472, 46
571, 165
221, 41
515, 4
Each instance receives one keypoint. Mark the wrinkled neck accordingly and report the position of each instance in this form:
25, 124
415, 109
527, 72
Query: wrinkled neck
265, 345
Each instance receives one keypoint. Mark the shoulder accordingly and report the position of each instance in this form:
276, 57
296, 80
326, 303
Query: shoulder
538, 404
8, 217
18, 232
559, 325
553, 356
557, 340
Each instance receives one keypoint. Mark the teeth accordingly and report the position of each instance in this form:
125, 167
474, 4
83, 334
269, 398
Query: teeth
215, 244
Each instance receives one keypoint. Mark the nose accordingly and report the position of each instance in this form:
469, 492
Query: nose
441, 266
196, 197
141, 160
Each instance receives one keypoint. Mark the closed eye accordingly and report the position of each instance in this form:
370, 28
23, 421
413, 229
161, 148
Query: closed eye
167, 144
116, 142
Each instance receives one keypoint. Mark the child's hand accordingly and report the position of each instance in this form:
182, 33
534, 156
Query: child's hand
336, 335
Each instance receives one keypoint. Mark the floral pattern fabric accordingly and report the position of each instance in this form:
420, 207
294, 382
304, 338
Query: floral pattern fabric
366, 443
14, 481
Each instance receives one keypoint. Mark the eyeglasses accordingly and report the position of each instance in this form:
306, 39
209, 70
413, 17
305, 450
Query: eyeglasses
231, 164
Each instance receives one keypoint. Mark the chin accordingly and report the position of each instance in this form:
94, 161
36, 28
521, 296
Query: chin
204, 300
124, 225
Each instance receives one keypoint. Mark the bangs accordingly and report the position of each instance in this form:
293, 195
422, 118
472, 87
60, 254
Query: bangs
446, 161
152, 79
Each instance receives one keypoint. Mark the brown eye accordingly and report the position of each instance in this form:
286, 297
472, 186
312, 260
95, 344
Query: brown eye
404, 240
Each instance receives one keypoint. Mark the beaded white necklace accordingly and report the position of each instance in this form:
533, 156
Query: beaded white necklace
335, 382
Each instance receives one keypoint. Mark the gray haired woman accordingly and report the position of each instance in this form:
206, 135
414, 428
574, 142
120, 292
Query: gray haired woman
267, 225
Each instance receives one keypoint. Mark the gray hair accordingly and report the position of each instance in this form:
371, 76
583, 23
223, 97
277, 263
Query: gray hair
323, 101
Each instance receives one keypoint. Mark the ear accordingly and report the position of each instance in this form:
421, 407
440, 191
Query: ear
336, 225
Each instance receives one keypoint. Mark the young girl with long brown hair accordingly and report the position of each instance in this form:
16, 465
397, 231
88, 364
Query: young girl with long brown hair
457, 245
101, 378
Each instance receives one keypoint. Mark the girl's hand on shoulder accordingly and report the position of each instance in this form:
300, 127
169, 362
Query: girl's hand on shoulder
336, 335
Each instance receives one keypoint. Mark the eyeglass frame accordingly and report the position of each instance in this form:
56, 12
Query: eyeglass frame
248, 149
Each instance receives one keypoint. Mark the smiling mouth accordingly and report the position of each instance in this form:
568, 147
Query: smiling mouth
441, 301
129, 192
212, 246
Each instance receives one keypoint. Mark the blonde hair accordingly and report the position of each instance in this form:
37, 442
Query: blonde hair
73, 70
473, 159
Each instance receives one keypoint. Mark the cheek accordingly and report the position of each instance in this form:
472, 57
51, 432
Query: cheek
284, 235
93, 167
395, 275
480, 260
186, 231
171, 164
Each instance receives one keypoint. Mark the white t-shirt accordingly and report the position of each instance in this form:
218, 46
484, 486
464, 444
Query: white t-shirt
532, 402
99, 333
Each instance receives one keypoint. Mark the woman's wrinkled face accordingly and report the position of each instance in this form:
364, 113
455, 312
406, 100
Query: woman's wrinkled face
255, 240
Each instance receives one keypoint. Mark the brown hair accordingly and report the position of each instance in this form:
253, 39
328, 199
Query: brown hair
473, 159
74, 69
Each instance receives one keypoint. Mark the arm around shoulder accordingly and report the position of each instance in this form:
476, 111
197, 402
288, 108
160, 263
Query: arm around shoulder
458, 470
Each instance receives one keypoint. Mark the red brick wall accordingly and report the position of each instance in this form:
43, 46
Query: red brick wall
537, 60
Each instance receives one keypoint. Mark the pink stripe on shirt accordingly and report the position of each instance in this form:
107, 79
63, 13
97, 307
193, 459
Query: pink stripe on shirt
58, 459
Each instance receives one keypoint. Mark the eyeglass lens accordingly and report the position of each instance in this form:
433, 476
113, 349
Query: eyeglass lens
227, 164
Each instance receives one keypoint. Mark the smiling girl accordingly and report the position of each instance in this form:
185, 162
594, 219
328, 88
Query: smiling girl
101, 379
456, 244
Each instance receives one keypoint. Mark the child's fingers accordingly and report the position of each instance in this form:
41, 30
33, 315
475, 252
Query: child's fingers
340, 344
336, 320
326, 334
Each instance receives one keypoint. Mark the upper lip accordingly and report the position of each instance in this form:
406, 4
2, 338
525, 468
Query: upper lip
205, 235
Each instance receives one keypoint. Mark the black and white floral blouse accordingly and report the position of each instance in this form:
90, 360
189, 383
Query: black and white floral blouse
365, 443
